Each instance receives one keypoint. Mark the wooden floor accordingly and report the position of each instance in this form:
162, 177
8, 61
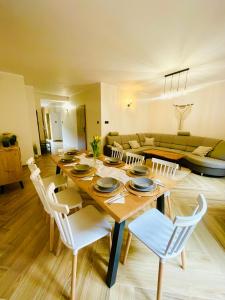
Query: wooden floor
29, 271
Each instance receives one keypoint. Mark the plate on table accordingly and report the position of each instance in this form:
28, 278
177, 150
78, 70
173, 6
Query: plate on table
81, 168
66, 159
107, 182
113, 160
139, 170
142, 184
108, 190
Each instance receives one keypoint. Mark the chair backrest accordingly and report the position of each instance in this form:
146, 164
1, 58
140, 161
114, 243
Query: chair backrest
184, 226
60, 212
164, 168
31, 164
39, 186
134, 159
116, 152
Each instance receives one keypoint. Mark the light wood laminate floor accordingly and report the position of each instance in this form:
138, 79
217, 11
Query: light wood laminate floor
29, 271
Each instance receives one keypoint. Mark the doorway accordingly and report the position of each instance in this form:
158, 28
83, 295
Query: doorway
81, 127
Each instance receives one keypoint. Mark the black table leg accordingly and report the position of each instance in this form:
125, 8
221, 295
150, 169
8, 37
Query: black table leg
115, 253
21, 184
57, 170
2, 187
160, 205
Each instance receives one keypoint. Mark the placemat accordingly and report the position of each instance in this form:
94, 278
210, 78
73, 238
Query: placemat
142, 194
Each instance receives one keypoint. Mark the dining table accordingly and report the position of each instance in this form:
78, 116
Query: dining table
120, 212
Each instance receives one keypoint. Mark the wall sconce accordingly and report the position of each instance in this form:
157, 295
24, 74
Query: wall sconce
68, 106
129, 104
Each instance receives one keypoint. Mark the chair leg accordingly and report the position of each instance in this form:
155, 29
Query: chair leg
110, 241
170, 207
51, 234
73, 283
127, 247
59, 247
183, 259
159, 286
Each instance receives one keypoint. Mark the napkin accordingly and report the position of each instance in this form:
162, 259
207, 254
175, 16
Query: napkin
118, 174
118, 199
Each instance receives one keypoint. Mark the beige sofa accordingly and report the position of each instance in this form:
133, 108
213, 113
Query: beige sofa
213, 164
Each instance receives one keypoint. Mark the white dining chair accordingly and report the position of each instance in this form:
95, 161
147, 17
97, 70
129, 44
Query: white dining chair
165, 238
168, 169
78, 230
117, 153
59, 180
69, 196
133, 159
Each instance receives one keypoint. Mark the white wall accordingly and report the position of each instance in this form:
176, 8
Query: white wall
205, 119
14, 112
91, 98
124, 119
32, 115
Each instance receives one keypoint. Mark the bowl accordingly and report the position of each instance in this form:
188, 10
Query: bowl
81, 168
142, 183
140, 169
107, 183
113, 160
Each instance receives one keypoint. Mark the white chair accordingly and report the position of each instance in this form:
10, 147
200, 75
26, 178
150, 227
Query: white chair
78, 230
59, 180
165, 238
168, 169
117, 153
70, 197
134, 159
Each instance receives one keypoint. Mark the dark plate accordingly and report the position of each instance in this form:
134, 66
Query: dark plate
81, 168
108, 190
151, 188
140, 170
107, 183
66, 160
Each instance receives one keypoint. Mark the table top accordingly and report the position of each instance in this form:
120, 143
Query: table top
119, 212
166, 154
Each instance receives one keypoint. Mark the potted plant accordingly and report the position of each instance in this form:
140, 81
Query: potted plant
95, 145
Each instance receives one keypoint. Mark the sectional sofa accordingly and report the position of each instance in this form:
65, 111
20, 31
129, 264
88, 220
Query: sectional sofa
213, 164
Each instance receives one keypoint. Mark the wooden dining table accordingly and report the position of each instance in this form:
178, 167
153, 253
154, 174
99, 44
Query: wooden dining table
119, 212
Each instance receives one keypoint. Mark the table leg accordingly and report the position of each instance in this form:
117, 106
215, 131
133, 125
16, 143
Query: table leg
115, 253
160, 205
57, 170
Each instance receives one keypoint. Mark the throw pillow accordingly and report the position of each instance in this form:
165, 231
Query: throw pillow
202, 151
134, 144
117, 145
149, 141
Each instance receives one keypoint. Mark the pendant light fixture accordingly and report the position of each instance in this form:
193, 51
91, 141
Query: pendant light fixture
175, 83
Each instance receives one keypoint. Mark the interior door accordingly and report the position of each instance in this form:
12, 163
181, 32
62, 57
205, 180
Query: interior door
81, 127
56, 126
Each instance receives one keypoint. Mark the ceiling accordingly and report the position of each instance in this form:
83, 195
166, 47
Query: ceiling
59, 46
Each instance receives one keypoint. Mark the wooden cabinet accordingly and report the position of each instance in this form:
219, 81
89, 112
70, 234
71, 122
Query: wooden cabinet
10, 165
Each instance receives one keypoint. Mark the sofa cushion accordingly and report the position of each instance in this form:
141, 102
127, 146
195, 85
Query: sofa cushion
117, 145
148, 142
202, 151
126, 146
134, 144
110, 139
219, 151
208, 162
